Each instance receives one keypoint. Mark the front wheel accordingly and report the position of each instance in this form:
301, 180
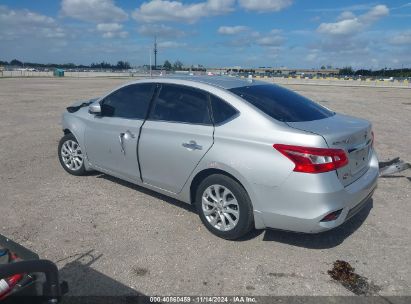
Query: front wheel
224, 207
70, 155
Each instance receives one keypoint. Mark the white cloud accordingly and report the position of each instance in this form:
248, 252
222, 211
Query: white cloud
349, 40
311, 56
164, 10
159, 30
17, 24
245, 37
232, 30
265, 5
99, 11
349, 24
403, 38
109, 27
406, 5
376, 13
111, 30
271, 40
171, 44
346, 15
122, 34
355, 7
342, 27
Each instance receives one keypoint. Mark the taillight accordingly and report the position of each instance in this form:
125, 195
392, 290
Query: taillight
313, 160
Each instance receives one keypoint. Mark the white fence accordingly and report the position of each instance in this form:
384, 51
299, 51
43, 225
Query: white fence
25, 74
327, 81
68, 74
340, 82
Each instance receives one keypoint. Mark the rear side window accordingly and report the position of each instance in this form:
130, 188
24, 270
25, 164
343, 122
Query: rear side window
181, 104
128, 102
282, 104
222, 111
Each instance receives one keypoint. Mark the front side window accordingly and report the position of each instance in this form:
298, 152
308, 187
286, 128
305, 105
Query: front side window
282, 104
129, 102
181, 104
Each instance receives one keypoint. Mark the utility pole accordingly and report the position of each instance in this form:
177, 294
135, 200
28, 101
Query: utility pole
155, 52
151, 66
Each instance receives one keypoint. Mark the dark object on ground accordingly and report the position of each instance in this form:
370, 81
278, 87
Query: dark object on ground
393, 166
344, 273
383, 164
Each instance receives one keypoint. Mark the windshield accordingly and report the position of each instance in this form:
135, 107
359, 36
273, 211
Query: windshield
282, 104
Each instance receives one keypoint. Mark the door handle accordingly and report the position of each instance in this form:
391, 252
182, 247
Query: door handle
192, 145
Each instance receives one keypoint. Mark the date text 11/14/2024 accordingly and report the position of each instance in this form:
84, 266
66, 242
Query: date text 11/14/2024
203, 299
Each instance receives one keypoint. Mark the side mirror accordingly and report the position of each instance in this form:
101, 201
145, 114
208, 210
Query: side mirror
95, 109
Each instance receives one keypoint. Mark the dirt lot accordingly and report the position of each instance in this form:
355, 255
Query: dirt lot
110, 237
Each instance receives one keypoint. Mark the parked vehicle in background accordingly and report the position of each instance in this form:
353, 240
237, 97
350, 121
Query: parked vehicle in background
248, 154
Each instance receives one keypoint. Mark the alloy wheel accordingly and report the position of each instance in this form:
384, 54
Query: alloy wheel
220, 207
71, 155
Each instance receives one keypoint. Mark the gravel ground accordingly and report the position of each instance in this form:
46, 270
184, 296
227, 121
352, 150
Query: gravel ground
110, 237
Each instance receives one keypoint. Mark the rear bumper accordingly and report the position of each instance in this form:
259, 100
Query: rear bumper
303, 200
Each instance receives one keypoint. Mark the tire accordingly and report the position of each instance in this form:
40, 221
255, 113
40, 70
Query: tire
232, 197
70, 155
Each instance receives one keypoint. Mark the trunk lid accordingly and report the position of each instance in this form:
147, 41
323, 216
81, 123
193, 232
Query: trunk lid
348, 133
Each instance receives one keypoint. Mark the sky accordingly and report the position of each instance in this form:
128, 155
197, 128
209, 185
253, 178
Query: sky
213, 33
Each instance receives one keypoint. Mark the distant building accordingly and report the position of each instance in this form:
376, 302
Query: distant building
274, 71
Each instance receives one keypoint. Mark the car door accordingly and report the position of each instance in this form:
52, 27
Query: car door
174, 138
111, 138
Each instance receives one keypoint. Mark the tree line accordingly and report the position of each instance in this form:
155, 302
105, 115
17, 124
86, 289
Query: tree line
179, 66
121, 65
349, 71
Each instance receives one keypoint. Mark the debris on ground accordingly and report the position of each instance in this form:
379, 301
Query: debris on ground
139, 271
393, 166
344, 273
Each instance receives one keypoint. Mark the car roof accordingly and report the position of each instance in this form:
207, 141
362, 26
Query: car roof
223, 82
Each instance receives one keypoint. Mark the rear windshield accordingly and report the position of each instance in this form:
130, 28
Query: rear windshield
282, 104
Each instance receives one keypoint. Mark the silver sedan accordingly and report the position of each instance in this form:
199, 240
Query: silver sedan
247, 154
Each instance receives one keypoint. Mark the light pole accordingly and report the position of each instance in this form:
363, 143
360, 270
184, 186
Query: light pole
155, 52
149, 53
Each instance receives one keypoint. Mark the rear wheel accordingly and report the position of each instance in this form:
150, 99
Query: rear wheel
224, 207
71, 156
